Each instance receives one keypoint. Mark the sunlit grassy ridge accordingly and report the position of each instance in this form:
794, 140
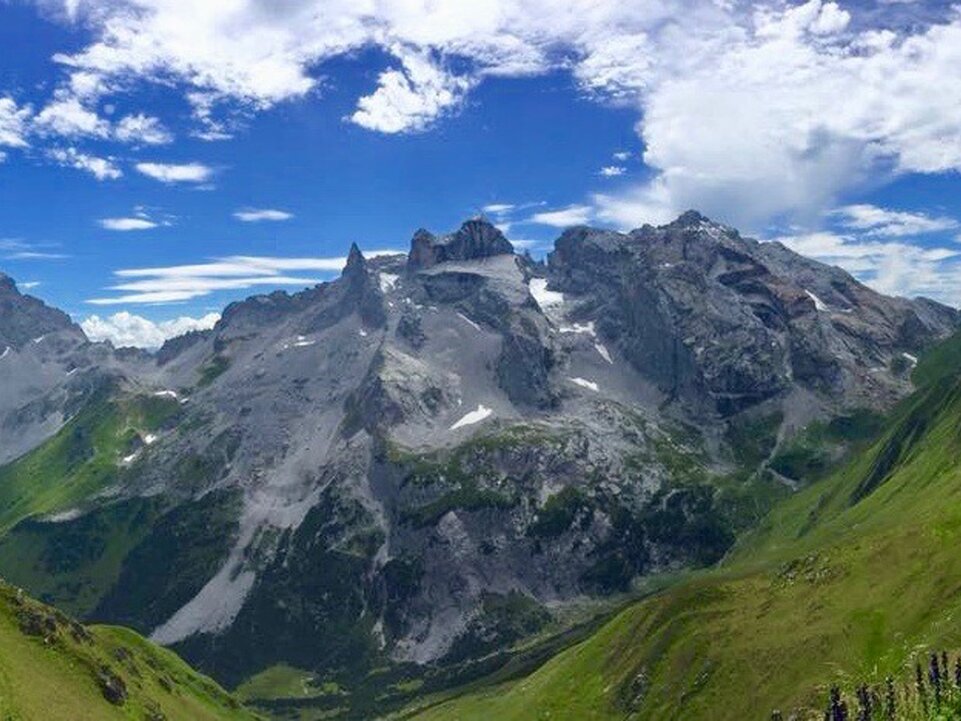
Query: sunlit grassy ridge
52, 668
845, 582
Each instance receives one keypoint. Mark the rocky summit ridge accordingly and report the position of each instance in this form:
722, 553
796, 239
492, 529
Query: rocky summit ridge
425, 458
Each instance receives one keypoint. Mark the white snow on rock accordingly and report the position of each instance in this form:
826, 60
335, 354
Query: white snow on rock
579, 328
166, 394
149, 439
127, 460
469, 322
6, 352
363, 333
299, 342
584, 383
819, 304
387, 281
912, 359
475, 416
64, 516
602, 349
39, 339
545, 298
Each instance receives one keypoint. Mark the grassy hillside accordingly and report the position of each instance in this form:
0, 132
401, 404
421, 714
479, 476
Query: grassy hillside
52, 668
846, 582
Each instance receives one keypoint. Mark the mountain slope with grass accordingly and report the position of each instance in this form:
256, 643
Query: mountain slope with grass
438, 454
55, 669
847, 582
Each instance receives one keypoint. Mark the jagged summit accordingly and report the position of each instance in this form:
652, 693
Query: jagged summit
476, 238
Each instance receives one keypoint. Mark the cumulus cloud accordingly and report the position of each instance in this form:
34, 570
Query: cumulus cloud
176, 173
142, 129
172, 284
612, 171
746, 110
127, 330
13, 124
411, 98
100, 168
67, 117
256, 215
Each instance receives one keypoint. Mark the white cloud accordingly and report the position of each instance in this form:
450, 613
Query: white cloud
100, 168
746, 110
564, 217
411, 98
255, 215
498, 208
13, 124
893, 267
67, 117
142, 129
178, 283
893, 223
612, 171
176, 173
127, 330
621, 155
127, 224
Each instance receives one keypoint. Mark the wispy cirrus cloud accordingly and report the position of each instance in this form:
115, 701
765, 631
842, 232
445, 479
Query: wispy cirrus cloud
176, 172
172, 284
873, 220
257, 215
564, 217
19, 249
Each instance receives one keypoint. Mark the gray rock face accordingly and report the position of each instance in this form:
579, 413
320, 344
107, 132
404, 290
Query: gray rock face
710, 316
430, 435
475, 239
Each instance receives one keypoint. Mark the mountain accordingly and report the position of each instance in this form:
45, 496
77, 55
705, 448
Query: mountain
441, 453
53, 668
849, 582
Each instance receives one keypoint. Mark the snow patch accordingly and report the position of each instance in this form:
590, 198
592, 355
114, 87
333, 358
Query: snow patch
469, 322
475, 416
387, 281
912, 359
819, 304
64, 516
149, 439
127, 460
39, 339
299, 342
600, 348
584, 383
166, 394
579, 328
363, 333
6, 352
543, 297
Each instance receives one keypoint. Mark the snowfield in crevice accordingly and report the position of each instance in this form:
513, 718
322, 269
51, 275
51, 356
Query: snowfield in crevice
545, 298
476, 416
584, 383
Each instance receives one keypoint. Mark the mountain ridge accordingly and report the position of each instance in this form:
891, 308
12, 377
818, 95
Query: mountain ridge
392, 467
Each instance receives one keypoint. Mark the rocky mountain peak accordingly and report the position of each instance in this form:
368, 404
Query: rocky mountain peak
23, 317
7, 284
356, 267
476, 238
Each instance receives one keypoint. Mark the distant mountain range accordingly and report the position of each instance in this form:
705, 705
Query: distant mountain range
437, 454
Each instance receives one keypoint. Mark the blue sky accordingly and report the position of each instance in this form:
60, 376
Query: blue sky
161, 160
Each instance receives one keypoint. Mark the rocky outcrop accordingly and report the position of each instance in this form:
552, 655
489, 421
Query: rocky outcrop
475, 239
